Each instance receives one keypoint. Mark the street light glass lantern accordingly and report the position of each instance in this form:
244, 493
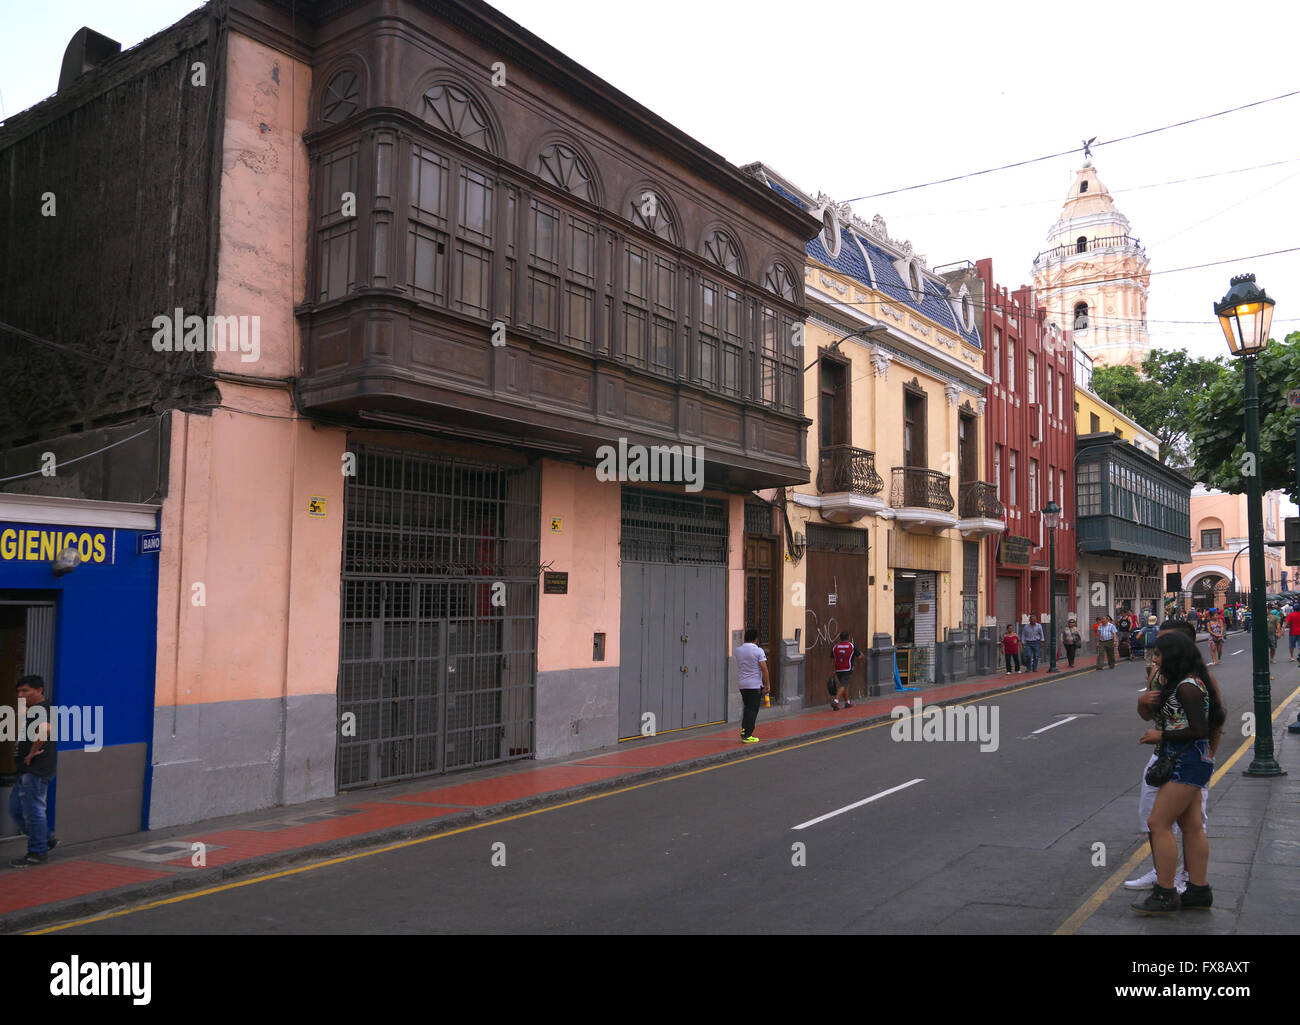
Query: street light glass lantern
1246, 316
1051, 515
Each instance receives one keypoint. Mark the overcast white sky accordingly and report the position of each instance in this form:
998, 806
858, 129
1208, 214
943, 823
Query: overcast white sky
853, 98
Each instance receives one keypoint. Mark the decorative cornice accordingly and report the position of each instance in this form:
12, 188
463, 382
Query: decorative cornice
953, 393
880, 361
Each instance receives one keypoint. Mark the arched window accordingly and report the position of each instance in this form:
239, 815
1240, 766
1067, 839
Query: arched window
781, 281
1081, 244
915, 280
563, 167
1083, 186
341, 99
457, 113
720, 249
652, 214
1081, 316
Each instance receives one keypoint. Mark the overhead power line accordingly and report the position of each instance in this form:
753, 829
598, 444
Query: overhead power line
1076, 149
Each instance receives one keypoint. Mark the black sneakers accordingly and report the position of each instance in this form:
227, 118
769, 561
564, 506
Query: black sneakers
27, 860
1161, 902
1199, 898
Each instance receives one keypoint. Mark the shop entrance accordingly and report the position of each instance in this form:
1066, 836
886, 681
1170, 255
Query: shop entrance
26, 647
437, 657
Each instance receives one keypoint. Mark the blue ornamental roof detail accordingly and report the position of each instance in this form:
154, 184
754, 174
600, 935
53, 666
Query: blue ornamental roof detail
933, 302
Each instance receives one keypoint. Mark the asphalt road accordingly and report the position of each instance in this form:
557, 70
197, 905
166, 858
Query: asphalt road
986, 842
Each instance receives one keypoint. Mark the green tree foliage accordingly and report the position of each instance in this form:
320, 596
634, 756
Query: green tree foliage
1217, 427
1160, 398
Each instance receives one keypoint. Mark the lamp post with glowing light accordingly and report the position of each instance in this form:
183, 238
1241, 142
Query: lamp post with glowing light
1246, 315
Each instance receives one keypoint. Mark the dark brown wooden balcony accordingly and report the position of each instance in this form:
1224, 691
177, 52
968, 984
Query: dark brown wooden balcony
978, 499
845, 468
918, 488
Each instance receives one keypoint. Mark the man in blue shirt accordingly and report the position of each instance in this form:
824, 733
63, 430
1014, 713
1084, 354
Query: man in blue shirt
1031, 636
1106, 642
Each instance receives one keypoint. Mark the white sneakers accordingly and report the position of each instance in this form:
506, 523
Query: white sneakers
1145, 882
1142, 882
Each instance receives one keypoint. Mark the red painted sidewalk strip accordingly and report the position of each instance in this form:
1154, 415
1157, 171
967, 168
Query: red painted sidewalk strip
238, 844
500, 789
56, 881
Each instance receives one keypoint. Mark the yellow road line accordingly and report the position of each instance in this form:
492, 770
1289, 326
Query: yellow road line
1089, 907
494, 822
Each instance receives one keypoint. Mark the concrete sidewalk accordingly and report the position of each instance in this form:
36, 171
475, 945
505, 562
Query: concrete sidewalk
1254, 831
83, 880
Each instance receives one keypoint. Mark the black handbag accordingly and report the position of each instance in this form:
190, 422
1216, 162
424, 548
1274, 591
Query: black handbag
832, 685
1163, 770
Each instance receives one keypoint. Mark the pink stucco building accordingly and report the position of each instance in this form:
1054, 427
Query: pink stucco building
1220, 554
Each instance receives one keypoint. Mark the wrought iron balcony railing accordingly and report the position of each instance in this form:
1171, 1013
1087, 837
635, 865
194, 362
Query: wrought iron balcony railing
978, 499
918, 488
845, 468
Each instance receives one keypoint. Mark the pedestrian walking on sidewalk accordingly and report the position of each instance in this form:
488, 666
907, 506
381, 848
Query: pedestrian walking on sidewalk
844, 653
751, 665
1011, 649
1149, 634
1106, 642
1215, 629
1185, 713
1274, 628
1072, 640
35, 758
1031, 636
1293, 631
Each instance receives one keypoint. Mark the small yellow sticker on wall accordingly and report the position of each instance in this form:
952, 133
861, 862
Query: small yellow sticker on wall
557, 524
316, 506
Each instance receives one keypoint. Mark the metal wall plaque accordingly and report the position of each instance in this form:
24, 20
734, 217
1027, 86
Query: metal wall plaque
555, 583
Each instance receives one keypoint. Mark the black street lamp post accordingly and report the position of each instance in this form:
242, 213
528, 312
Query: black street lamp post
1246, 314
1052, 517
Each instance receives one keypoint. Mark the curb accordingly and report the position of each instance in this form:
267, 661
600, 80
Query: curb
63, 912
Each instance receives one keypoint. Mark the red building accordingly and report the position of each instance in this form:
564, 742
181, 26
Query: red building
1029, 448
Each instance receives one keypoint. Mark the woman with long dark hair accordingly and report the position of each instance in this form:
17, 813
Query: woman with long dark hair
1186, 712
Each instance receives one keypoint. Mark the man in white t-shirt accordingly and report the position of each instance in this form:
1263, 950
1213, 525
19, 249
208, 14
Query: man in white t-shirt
751, 662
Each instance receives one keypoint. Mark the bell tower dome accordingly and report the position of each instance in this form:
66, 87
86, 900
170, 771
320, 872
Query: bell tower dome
1093, 275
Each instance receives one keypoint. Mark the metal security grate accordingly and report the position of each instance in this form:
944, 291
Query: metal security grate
439, 618
836, 539
758, 518
670, 529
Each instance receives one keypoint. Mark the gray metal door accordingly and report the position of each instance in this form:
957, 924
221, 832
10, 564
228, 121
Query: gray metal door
1006, 604
438, 638
673, 661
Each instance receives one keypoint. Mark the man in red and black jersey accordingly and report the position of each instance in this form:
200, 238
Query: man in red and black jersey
844, 652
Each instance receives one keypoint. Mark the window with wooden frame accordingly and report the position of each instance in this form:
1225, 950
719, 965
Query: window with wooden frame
833, 403
914, 447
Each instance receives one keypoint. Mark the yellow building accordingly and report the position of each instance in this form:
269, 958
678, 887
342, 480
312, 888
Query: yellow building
1092, 415
887, 534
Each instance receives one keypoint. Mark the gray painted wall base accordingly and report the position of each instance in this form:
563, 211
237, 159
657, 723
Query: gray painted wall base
230, 757
100, 793
588, 697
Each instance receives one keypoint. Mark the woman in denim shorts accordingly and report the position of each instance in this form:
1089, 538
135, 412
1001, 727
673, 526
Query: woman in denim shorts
1186, 712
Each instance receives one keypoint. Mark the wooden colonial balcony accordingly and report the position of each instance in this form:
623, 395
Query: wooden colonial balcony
922, 499
980, 511
845, 468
